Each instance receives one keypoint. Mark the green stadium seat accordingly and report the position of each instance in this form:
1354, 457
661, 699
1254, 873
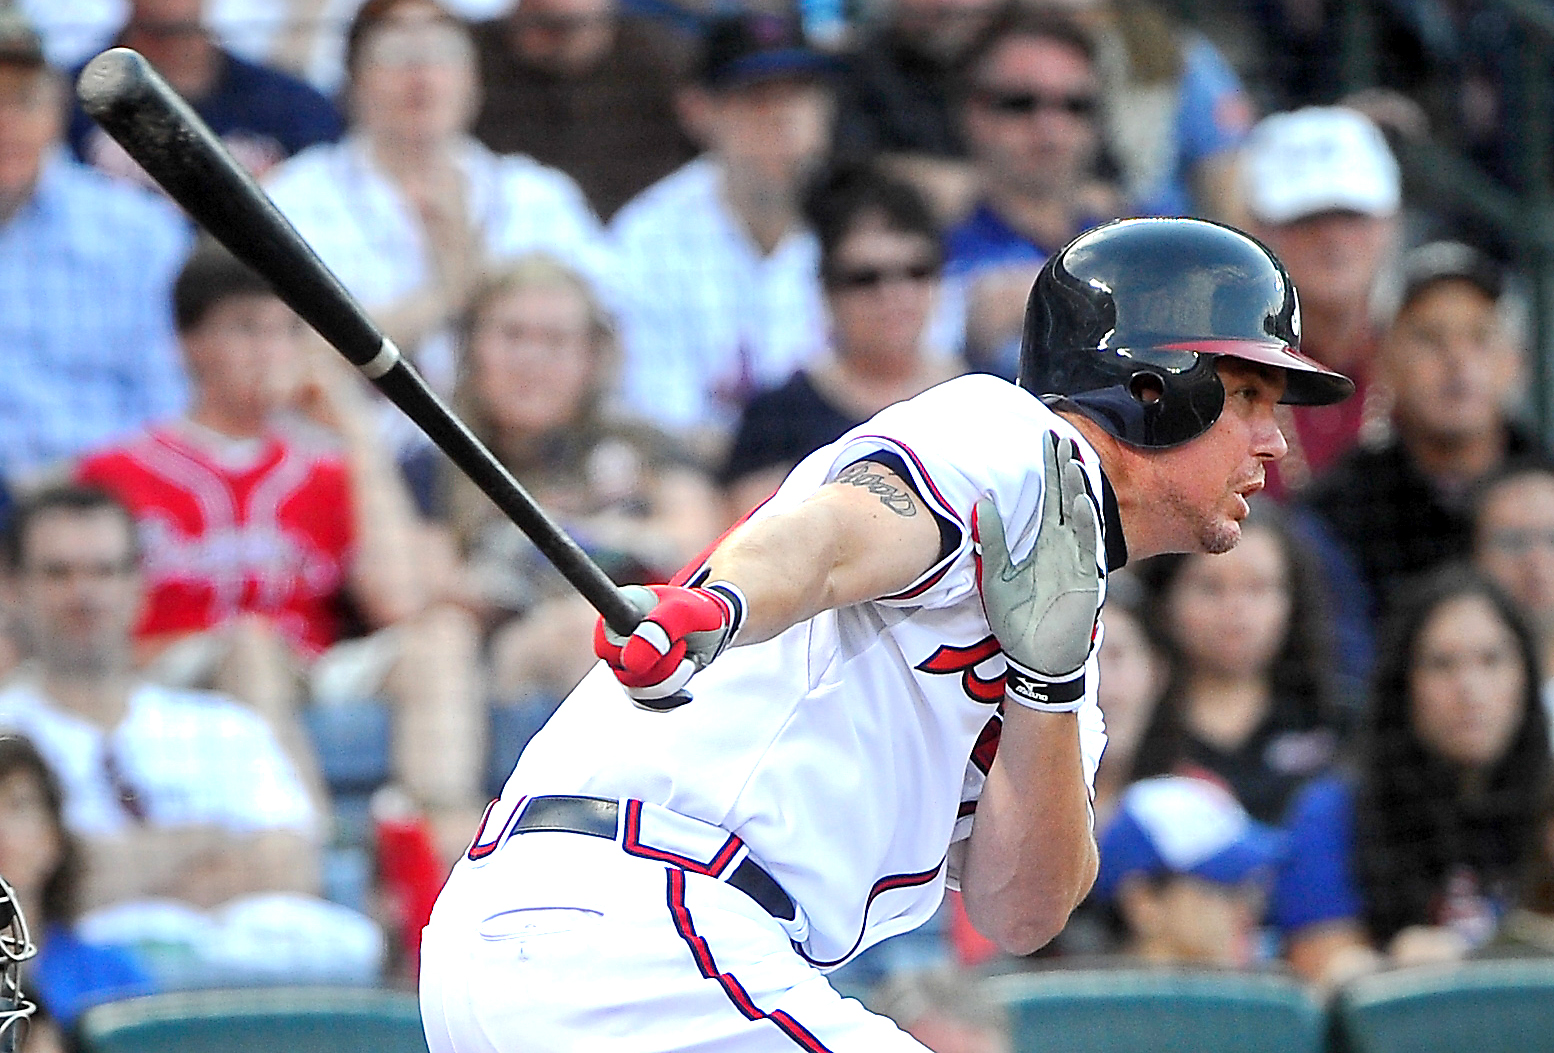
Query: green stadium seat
258, 1020
1476, 1007
1159, 1011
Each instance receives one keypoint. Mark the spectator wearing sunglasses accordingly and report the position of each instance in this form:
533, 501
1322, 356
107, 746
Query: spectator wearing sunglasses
1030, 101
880, 259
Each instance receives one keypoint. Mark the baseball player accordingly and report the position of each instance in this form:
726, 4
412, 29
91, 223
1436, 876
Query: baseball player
894, 682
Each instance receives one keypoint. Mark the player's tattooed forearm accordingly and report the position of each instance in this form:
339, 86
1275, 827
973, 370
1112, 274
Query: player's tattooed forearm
869, 478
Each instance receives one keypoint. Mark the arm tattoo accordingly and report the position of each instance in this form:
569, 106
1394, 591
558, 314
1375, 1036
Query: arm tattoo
871, 478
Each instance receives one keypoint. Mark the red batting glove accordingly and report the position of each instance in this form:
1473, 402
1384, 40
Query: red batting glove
682, 630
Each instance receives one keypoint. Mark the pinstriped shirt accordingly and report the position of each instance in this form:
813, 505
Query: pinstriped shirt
86, 334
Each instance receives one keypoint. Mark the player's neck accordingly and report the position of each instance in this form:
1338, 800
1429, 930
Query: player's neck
1137, 504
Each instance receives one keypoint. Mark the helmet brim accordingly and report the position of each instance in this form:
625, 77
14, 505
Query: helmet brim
1307, 381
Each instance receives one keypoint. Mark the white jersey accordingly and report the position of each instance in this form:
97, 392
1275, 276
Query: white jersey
849, 751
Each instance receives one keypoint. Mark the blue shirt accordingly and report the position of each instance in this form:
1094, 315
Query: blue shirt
1317, 882
1213, 115
69, 976
984, 240
86, 334
264, 115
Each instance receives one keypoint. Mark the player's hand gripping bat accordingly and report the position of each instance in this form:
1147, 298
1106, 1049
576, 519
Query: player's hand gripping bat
135, 106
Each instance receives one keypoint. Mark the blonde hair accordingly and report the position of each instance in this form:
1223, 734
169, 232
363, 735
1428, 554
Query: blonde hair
468, 508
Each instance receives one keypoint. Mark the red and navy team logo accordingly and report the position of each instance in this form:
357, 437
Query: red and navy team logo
949, 659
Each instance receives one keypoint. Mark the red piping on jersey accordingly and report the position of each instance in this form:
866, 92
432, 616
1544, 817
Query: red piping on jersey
949, 658
702, 954
478, 851
631, 842
884, 884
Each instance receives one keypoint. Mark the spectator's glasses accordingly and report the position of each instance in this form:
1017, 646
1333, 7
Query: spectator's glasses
860, 279
167, 29
1024, 103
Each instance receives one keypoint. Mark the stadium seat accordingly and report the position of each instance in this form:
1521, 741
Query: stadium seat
1486, 1007
1158, 1011
258, 1020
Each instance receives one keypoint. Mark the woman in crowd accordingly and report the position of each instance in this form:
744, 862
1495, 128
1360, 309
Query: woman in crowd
880, 258
1415, 856
539, 354
1133, 671
1248, 698
38, 858
408, 208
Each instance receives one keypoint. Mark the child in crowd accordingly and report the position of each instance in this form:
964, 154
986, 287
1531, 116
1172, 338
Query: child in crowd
1248, 699
1186, 869
1414, 856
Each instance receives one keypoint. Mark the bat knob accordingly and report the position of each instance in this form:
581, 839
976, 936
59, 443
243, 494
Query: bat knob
665, 704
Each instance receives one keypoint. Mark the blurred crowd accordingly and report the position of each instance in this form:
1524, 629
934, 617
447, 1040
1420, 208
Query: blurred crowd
267, 654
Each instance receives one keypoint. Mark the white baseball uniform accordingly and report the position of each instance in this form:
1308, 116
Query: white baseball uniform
842, 757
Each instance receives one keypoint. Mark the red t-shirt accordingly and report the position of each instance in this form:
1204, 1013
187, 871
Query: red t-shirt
1319, 435
272, 537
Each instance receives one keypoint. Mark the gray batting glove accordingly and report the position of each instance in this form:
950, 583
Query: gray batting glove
1043, 611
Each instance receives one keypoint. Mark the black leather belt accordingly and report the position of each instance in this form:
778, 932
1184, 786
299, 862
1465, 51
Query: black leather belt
600, 817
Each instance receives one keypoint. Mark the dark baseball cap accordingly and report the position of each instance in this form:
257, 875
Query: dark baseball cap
747, 48
1448, 261
20, 44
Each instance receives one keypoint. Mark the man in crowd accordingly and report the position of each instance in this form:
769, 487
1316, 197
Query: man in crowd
722, 276
172, 793
1453, 360
261, 529
576, 85
896, 96
1323, 192
85, 266
1029, 103
264, 116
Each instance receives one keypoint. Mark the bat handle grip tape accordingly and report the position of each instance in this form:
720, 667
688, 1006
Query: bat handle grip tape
387, 358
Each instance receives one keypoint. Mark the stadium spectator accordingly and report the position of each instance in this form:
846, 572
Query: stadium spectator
409, 208
722, 275
1323, 191
1415, 856
1513, 543
1175, 112
538, 358
1030, 104
1249, 699
880, 258
1187, 870
171, 793
578, 85
1134, 672
1453, 361
85, 265
259, 529
896, 96
263, 115
40, 860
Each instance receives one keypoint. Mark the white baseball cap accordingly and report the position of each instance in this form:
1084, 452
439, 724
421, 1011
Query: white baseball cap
1319, 159
1174, 824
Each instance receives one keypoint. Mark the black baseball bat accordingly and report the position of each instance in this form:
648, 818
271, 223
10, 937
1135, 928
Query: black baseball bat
135, 106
